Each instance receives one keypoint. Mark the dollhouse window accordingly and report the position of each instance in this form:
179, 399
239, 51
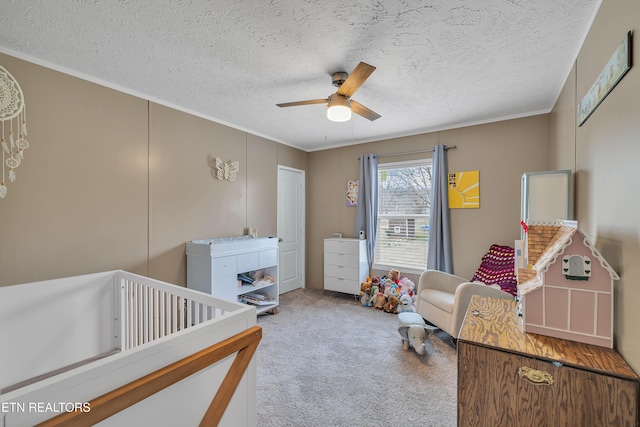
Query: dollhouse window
576, 267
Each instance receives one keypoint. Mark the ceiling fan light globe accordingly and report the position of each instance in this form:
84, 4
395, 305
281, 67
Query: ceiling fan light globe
339, 113
339, 108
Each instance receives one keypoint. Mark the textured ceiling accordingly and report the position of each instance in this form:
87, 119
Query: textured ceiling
440, 64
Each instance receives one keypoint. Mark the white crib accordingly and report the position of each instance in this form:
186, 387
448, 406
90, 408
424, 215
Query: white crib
115, 349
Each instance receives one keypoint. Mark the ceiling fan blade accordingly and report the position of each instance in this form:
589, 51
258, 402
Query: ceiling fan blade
309, 102
360, 109
355, 79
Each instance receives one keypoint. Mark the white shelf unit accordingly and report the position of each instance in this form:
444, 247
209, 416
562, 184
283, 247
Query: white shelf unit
345, 265
213, 266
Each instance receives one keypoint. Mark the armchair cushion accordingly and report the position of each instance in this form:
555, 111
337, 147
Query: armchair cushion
497, 268
440, 299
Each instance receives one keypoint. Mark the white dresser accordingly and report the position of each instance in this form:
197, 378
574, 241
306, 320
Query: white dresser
345, 265
215, 265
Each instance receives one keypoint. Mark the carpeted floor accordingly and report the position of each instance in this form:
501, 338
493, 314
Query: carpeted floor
326, 361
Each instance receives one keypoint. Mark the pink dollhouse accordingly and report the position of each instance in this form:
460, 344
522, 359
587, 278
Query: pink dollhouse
567, 289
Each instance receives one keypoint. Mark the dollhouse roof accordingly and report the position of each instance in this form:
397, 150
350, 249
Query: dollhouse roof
546, 241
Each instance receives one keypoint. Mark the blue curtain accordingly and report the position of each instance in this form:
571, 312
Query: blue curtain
367, 209
440, 256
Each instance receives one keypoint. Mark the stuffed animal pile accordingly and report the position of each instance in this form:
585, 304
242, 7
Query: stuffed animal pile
391, 293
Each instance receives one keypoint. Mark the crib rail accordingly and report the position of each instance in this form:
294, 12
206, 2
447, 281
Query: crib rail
149, 309
243, 344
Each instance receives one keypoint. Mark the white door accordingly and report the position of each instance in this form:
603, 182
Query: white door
291, 201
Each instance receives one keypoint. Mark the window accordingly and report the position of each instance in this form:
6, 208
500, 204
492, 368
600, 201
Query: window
404, 203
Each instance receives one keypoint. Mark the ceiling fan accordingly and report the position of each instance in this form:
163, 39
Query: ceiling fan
340, 105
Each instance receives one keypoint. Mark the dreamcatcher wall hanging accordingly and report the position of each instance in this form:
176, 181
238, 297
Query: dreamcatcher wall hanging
13, 118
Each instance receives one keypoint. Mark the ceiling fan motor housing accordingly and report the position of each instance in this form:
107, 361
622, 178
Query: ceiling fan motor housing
338, 78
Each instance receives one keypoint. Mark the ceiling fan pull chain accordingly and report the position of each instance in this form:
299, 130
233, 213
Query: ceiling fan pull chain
352, 142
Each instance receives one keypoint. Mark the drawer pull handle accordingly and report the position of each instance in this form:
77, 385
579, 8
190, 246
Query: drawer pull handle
535, 376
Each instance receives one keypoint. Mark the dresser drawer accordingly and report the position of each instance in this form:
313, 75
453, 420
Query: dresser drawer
223, 266
342, 246
341, 285
248, 262
333, 258
342, 272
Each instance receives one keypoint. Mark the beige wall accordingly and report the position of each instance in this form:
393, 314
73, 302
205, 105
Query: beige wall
562, 125
79, 203
606, 155
112, 181
501, 151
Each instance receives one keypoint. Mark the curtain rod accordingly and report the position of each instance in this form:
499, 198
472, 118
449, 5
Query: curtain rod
446, 147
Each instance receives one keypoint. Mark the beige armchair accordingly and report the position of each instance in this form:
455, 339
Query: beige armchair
443, 298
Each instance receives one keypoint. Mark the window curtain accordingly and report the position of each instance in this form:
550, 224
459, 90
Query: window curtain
367, 208
440, 256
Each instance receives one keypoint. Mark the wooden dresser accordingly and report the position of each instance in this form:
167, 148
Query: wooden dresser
509, 378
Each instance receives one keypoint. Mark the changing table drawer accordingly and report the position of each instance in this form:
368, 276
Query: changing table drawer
248, 262
223, 266
268, 258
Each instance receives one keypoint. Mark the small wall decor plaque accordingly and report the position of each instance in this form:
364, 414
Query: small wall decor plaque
618, 65
222, 170
353, 188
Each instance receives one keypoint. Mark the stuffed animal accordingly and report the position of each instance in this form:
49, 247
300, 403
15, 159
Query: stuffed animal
406, 304
406, 286
380, 299
413, 331
391, 306
393, 290
382, 285
372, 299
365, 293
394, 276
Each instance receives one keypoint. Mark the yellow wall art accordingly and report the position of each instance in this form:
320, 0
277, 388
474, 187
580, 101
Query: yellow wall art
464, 190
